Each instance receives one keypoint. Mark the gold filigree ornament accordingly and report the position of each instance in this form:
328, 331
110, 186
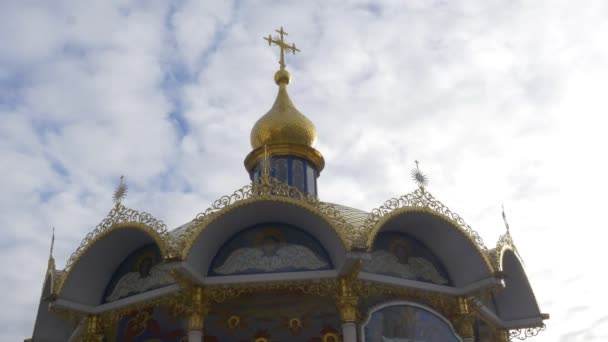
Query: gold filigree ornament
419, 200
268, 188
505, 242
121, 217
524, 333
121, 191
420, 178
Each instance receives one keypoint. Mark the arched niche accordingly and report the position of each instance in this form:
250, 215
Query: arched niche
516, 301
406, 321
49, 326
217, 231
463, 259
141, 271
270, 248
399, 255
88, 277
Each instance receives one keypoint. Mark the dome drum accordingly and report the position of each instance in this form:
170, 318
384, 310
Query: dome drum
296, 165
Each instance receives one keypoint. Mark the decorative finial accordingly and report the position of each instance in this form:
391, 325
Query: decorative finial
419, 177
121, 191
51, 264
504, 218
52, 244
283, 46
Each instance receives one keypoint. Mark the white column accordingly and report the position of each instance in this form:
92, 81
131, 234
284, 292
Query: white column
349, 331
195, 336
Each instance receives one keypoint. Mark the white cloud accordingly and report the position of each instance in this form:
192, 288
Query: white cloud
501, 101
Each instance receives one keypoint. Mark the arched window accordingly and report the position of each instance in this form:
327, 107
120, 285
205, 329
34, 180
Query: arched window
406, 322
139, 272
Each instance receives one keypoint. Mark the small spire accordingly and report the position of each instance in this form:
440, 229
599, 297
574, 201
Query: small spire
52, 244
51, 264
504, 218
420, 178
120, 192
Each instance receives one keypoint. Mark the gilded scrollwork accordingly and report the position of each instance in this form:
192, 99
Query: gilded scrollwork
505, 242
121, 216
420, 198
267, 188
522, 334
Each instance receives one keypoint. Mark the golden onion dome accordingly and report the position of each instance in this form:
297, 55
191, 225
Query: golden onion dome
283, 124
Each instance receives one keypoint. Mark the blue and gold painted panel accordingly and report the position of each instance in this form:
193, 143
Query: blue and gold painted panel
141, 271
401, 323
274, 317
270, 248
399, 255
150, 325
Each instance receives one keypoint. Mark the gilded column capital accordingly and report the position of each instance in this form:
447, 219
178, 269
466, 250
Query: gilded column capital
347, 300
199, 308
94, 329
465, 320
501, 335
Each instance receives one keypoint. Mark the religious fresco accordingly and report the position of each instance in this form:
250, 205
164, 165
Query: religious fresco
274, 317
398, 255
406, 323
141, 271
151, 325
269, 248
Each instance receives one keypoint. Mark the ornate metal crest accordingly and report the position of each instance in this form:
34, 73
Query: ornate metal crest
118, 216
267, 187
420, 198
522, 334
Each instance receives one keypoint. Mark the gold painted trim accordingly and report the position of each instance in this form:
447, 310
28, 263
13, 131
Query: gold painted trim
371, 235
301, 151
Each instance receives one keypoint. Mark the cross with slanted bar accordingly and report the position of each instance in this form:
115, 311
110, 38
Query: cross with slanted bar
278, 41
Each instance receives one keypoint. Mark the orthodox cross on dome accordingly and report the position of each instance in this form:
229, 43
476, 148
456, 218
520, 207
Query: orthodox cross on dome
121, 192
279, 41
420, 178
504, 218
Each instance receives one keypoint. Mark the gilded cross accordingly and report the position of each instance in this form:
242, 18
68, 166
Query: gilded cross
283, 46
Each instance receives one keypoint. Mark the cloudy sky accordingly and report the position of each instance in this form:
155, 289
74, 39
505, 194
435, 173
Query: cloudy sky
501, 101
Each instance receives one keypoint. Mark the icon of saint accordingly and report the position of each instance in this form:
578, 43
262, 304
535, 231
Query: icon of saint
398, 261
270, 253
147, 275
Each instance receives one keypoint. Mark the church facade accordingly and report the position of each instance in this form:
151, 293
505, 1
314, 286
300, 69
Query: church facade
273, 262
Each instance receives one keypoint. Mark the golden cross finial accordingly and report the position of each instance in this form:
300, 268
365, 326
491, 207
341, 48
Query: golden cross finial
283, 46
